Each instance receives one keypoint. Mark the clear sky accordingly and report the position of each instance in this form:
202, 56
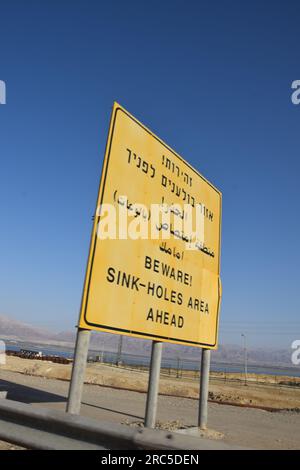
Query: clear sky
213, 80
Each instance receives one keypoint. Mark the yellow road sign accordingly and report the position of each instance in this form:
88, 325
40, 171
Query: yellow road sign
147, 276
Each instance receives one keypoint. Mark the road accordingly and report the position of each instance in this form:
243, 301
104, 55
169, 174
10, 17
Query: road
252, 428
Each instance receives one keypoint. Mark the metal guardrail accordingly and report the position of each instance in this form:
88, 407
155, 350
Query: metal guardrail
47, 429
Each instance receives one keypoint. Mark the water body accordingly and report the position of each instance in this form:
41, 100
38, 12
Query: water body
167, 362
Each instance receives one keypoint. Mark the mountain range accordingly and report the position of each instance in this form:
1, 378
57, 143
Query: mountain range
14, 330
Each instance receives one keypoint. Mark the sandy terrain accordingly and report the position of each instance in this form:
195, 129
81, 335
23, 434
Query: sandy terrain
233, 391
237, 426
7, 446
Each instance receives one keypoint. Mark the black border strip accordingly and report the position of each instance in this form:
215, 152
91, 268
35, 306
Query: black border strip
138, 333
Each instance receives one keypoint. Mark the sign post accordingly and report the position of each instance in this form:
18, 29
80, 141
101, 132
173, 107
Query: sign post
204, 380
78, 371
153, 385
153, 270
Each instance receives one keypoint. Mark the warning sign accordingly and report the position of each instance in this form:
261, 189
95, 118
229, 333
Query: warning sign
154, 263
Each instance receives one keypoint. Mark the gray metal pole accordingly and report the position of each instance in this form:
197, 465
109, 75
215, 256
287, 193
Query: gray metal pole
152, 396
204, 379
78, 371
119, 353
245, 358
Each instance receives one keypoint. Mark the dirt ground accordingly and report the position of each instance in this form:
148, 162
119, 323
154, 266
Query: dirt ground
234, 425
7, 446
260, 391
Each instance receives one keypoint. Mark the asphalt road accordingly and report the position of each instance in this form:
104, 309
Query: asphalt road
256, 429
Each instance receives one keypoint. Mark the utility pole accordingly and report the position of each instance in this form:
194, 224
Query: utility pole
119, 353
178, 367
245, 358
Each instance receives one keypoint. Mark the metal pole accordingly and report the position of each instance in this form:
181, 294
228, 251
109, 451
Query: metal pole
78, 371
119, 353
178, 365
152, 396
204, 379
245, 358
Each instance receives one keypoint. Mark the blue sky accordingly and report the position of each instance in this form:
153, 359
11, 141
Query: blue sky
213, 80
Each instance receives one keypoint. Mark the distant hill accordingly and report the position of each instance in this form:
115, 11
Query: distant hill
11, 329
14, 329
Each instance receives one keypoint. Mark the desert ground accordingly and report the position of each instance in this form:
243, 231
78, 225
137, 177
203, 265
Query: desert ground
261, 390
264, 414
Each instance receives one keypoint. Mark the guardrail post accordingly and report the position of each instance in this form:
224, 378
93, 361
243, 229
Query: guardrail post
152, 396
78, 371
204, 379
